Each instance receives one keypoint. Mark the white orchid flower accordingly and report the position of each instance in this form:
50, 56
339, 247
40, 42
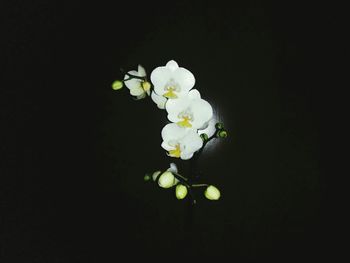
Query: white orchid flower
180, 142
138, 87
171, 82
189, 111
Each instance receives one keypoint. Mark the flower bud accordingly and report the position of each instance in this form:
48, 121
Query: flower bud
166, 180
222, 134
146, 85
204, 137
116, 85
181, 191
212, 193
147, 177
219, 125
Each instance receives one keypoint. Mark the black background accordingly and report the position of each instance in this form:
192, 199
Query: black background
76, 151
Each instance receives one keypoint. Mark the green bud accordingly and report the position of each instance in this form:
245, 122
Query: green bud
212, 193
116, 85
222, 134
181, 191
166, 180
204, 137
219, 125
147, 178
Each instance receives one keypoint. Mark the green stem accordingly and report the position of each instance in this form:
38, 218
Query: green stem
199, 185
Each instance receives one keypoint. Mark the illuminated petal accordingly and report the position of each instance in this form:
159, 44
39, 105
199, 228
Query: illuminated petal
209, 128
159, 100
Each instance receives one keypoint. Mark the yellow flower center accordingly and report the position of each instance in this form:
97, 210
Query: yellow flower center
170, 93
146, 86
185, 122
175, 153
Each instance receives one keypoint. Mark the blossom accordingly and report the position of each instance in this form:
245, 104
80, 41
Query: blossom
189, 111
171, 81
180, 142
137, 85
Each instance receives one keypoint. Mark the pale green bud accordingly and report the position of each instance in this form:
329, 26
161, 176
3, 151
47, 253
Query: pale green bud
116, 85
212, 193
166, 180
181, 191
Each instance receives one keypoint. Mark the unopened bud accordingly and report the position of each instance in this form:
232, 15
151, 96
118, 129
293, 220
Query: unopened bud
212, 193
222, 134
181, 191
116, 85
204, 137
166, 180
219, 125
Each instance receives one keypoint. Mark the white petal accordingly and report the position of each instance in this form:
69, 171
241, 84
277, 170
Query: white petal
185, 79
136, 91
132, 83
160, 77
191, 143
141, 96
141, 72
173, 168
172, 65
209, 128
202, 112
186, 156
166, 146
194, 94
174, 107
172, 131
159, 100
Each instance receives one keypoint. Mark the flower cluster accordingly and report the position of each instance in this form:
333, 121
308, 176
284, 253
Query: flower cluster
191, 119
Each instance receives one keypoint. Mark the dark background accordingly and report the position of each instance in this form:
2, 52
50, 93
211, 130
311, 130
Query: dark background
76, 151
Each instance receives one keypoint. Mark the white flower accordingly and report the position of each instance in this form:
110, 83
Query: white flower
209, 128
189, 111
172, 81
138, 87
212, 193
180, 142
